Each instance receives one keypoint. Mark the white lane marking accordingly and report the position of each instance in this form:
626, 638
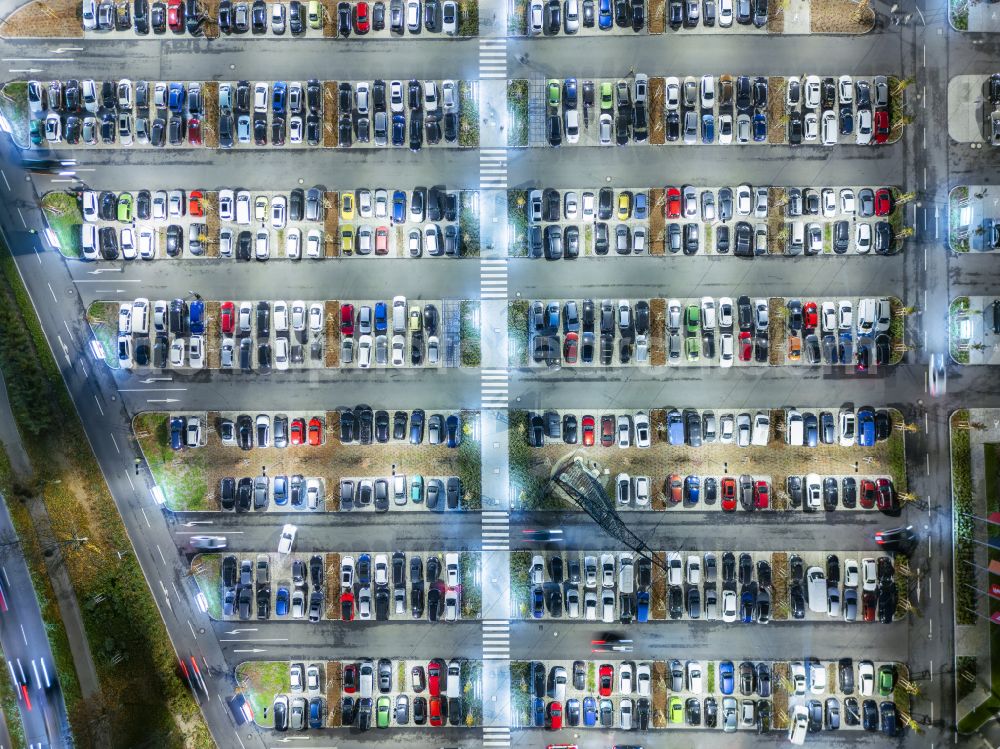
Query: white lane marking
161, 553
99, 406
21, 215
115, 442
54, 299
2, 174
143, 510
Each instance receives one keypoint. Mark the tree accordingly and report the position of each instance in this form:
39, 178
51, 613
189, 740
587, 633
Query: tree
903, 84
909, 427
906, 231
905, 197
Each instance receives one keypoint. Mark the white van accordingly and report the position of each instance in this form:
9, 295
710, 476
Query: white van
626, 573
140, 316
88, 241
761, 429
867, 316
793, 428
796, 236
398, 315
816, 589
799, 725
454, 680
366, 679
243, 208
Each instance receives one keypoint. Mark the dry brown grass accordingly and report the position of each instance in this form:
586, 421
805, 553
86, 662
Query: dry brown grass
657, 96
211, 204
333, 334
332, 580
659, 674
775, 16
331, 224
777, 119
210, 122
776, 234
776, 330
334, 684
657, 330
658, 590
780, 681
657, 221
329, 17
213, 335
50, 19
840, 17
210, 27
657, 16
330, 132
779, 577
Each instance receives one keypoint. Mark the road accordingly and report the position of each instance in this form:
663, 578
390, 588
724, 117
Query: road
925, 276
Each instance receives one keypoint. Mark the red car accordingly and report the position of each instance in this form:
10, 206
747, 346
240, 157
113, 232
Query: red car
810, 318
347, 319
227, 317
606, 680
885, 495
867, 494
883, 202
175, 15
881, 126
296, 432
347, 606
194, 131
676, 488
195, 203
746, 346
381, 241
729, 494
571, 347
435, 711
315, 431
555, 715
869, 601
434, 677
607, 430
673, 202
761, 495
588, 431
361, 18
351, 678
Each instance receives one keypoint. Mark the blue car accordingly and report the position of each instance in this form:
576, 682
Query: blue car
748, 600
453, 429
538, 712
363, 569
281, 602
175, 98
280, 490
604, 19
398, 130
278, 94
707, 128
642, 606
537, 602
196, 319
552, 316
398, 207
866, 427
381, 321
759, 127
692, 489
589, 711
177, 425
641, 207
726, 677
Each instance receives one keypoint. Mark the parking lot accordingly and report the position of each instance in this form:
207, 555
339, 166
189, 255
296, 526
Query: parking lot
974, 330
974, 109
731, 109
244, 114
678, 694
312, 461
697, 459
364, 694
751, 587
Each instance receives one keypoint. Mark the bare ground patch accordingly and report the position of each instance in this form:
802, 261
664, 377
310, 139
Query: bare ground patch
840, 17
657, 221
213, 334
775, 16
330, 132
210, 122
334, 685
777, 235
331, 224
659, 690
211, 205
333, 334
776, 331
332, 580
777, 118
657, 330
52, 18
657, 96
657, 16
658, 590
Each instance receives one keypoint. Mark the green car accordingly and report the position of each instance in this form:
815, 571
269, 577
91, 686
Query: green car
886, 680
417, 489
692, 319
125, 207
35, 131
382, 710
555, 90
691, 346
676, 710
607, 97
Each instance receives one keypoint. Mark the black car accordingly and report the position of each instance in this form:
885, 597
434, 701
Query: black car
830, 494
416, 131
453, 492
676, 602
553, 129
869, 715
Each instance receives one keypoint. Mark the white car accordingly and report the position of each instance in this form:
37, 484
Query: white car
347, 572
641, 490
605, 129
863, 238
674, 568
535, 18
810, 126
280, 317
125, 318
293, 244
314, 243
625, 678
744, 202
728, 605
260, 249
866, 678
89, 205
828, 201
817, 677
607, 606
281, 353
847, 203
278, 212
298, 315
693, 570
726, 357
196, 352
798, 677
177, 351
829, 128
864, 132
316, 315
851, 573
624, 431
287, 538
845, 89
812, 91
572, 125
829, 315
640, 423
869, 574
845, 314
381, 569
398, 351
608, 570
673, 96
226, 205
725, 13
590, 571
814, 492
451, 569
364, 603
365, 351
694, 677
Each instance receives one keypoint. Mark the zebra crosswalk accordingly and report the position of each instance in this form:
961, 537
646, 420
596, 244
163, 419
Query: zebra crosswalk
493, 58
493, 169
496, 531
493, 388
496, 736
496, 639
493, 278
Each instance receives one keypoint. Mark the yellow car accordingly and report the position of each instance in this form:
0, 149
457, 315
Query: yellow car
315, 15
416, 318
624, 205
260, 208
346, 206
676, 710
346, 239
